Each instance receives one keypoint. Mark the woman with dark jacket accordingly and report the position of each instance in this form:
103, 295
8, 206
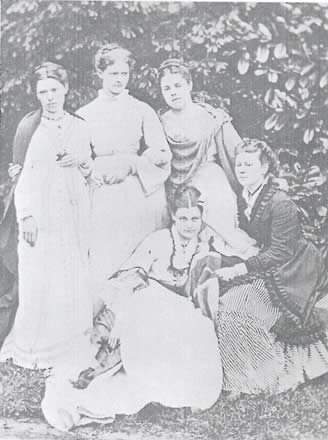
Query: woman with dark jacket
271, 334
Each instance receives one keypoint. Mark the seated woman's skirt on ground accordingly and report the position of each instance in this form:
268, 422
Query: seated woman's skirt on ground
170, 355
252, 358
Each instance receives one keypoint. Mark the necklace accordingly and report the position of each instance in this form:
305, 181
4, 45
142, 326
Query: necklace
181, 273
55, 121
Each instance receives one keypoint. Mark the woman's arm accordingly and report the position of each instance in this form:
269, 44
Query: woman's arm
226, 141
284, 234
153, 166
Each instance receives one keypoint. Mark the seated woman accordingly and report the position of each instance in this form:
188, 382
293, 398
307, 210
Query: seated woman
270, 333
202, 141
168, 347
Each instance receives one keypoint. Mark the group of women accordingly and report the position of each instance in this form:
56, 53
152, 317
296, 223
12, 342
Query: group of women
158, 260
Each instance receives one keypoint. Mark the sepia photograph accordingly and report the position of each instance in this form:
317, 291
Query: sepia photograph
163, 220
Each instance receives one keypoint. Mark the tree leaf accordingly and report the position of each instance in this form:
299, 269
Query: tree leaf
322, 211
307, 69
273, 77
259, 72
290, 83
262, 53
266, 34
271, 121
308, 135
323, 80
280, 51
243, 66
268, 97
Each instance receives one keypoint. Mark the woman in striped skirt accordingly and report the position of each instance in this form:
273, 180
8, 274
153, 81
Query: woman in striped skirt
271, 333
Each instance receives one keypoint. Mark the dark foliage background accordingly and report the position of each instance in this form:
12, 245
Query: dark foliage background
266, 63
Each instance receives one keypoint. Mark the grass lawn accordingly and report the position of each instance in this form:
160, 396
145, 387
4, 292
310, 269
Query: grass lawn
301, 414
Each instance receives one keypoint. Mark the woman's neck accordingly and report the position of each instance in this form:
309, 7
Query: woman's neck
113, 96
255, 186
186, 109
54, 116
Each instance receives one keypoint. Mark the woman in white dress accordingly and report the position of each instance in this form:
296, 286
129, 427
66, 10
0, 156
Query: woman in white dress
52, 205
202, 140
132, 162
162, 301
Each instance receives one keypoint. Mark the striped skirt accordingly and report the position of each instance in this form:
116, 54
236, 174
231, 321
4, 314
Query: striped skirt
253, 361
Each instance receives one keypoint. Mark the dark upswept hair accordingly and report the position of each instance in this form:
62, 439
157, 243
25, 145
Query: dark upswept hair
174, 65
47, 70
266, 154
108, 54
186, 197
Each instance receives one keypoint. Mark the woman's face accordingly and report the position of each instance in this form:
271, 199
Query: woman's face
188, 222
175, 90
115, 77
250, 171
51, 94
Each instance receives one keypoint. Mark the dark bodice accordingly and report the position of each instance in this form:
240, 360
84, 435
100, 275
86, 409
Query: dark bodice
275, 225
293, 264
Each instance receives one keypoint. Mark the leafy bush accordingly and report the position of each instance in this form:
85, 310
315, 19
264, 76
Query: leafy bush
267, 62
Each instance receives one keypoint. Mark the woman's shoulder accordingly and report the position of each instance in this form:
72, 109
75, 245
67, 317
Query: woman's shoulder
160, 236
281, 199
141, 106
279, 203
86, 110
29, 119
219, 115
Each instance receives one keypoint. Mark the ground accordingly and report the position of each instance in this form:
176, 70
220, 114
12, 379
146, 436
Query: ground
301, 414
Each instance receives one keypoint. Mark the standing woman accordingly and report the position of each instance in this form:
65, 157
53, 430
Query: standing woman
52, 206
202, 141
132, 162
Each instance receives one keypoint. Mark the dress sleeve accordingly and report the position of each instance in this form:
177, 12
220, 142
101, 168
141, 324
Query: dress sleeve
284, 234
144, 255
28, 186
84, 151
226, 141
153, 166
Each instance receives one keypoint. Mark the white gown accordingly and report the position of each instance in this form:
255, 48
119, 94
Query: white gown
169, 351
170, 355
124, 213
55, 303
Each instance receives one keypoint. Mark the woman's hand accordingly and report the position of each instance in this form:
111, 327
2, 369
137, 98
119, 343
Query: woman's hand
228, 273
14, 170
113, 339
67, 160
118, 172
30, 230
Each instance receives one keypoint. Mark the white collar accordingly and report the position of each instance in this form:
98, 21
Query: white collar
251, 198
103, 95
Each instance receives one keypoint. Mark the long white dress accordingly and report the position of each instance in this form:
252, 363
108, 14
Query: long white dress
168, 349
55, 303
124, 213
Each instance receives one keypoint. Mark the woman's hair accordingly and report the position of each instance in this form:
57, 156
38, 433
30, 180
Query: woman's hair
187, 197
266, 154
108, 54
49, 70
174, 65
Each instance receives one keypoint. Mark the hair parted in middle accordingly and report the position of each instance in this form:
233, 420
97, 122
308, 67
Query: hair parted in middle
174, 65
187, 197
108, 54
47, 70
266, 154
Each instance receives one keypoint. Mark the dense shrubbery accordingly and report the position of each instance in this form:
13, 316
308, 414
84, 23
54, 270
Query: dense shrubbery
268, 63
